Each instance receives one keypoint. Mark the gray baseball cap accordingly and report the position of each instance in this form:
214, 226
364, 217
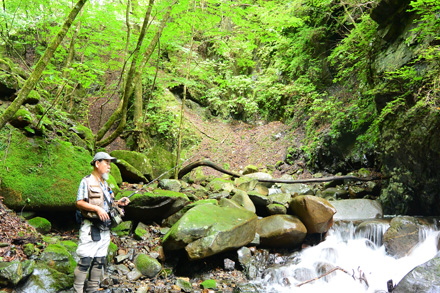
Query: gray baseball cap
102, 156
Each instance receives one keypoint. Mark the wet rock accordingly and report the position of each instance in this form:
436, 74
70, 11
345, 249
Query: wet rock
229, 203
300, 189
261, 189
423, 278
276, 209
373, 230
402, 235
281, 231
170, 184
208, 229
147, 265
171, 220
357, 209
281, 198
243, 200
316, 213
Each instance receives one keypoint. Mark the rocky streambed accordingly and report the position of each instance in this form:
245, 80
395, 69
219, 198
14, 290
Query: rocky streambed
196, 235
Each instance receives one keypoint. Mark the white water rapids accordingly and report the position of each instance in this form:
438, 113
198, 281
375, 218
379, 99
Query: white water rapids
356, 256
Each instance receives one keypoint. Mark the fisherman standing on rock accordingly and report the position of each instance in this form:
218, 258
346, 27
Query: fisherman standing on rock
94, 199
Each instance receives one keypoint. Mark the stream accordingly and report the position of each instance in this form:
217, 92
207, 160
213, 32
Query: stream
359, 261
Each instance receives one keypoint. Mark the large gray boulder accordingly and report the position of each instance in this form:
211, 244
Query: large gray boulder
423, 278
402, 235
316, 213
357, 209
46, 279
281, 231
206, 230
11, 273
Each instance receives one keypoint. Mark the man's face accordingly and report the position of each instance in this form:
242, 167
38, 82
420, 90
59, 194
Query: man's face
103, 166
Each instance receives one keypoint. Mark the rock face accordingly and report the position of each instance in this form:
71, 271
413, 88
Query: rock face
206, 230
423, 278
402, 235
281, 231
357, 209
316, 213
43, 184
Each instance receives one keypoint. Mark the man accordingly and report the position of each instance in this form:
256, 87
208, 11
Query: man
94, 234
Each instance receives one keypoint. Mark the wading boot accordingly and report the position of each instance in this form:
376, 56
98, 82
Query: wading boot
80, 278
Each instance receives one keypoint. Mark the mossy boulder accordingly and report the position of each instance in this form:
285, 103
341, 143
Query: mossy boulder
112, 249
161, 161
219, 184
46, 279
206, 230
281, 231
85, 134
129, 173
11, 273
156, 205
40, 224
123, 229
141, 232
57, 257
208, 284
32, 98
138, 160
41, 173
22, 118
171, 220
147, 265
113, 185
116, 173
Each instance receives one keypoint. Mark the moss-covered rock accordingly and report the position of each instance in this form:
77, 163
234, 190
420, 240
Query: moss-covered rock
141, 232
147, 265
138, 160
206, 230
22, 118
32, 98
39, 173
123, 229
42, 225
129, 173
112, 249
208, 284
116, 173
161, 160
219, 184
46, 279
57, 257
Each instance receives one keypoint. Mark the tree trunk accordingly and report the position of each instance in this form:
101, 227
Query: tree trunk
130, 77
41, 65
128, 86
182, 109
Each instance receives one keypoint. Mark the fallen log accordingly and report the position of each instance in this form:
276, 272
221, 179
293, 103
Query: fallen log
188, 168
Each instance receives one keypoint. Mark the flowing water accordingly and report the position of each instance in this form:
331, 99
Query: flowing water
356, 257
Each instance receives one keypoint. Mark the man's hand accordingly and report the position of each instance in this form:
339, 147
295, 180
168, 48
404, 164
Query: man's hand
102, 214
123, 201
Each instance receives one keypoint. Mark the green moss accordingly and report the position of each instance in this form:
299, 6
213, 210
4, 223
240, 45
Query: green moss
71, 246
41, 174
42, 225
155, 193
147, 265
112, 183
111, 251
208, 284
24, 114
116, 173
56, 256
123, 229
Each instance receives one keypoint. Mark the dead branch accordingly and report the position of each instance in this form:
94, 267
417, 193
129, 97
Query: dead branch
323, 275
208, 163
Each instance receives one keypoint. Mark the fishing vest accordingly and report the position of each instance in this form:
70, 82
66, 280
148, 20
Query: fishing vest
96, 196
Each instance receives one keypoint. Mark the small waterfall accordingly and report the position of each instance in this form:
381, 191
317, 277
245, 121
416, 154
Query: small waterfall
351, 259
